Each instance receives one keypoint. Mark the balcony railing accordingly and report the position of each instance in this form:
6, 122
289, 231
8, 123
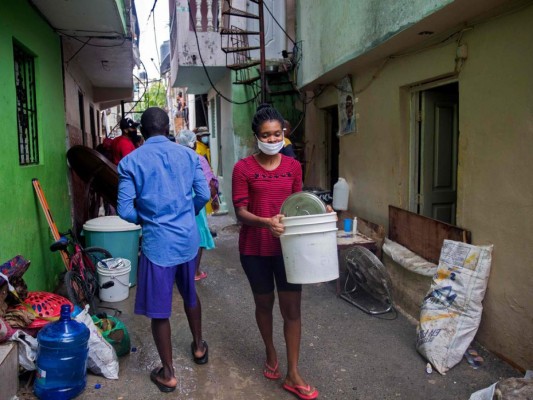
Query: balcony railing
207, 15
203, 16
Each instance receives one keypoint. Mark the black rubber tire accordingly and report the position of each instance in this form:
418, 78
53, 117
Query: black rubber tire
95, 255
82, 291
81, 282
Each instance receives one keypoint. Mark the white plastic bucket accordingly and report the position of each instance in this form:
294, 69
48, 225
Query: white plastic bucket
310, 219
116, 271
309, 247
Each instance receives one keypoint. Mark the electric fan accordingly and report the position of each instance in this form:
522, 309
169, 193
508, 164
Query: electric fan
365, 271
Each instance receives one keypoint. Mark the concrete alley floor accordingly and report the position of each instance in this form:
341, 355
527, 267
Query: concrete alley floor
345, 353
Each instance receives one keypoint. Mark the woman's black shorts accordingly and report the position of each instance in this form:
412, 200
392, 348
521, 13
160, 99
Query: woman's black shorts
263, 270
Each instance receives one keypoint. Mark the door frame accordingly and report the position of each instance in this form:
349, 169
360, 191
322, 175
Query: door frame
414, 135
332, 144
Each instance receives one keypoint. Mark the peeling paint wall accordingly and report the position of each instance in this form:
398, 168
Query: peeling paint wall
367, 24
75, 82
495, 171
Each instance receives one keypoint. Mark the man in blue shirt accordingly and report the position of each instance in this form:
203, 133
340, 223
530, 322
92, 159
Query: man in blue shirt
162, 187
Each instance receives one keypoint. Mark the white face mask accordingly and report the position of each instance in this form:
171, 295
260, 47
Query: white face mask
270, 149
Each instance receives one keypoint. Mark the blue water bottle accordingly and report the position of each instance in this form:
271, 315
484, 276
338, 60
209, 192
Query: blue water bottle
62, 358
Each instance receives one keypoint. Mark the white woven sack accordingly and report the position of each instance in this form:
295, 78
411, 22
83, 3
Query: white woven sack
451, 311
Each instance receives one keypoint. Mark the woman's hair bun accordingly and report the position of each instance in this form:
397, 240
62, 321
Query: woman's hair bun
265, 112
263, 106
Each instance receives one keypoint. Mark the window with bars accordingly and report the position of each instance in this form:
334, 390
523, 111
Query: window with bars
28, 143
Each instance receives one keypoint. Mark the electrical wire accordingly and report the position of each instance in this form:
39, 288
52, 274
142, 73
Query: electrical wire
384, 63
62, 31
124, 39
374, 76
146, 81
77, 52
155, 39
276, 21
152, 10
205, 68
158, 65
322, 89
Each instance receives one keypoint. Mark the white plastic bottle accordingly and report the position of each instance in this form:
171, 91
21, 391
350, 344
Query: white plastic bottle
340, 195
354, 226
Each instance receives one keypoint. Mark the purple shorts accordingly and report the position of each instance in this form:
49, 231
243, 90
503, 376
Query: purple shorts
155, 285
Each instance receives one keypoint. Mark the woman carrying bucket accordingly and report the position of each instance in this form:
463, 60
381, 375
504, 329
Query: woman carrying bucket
261, 183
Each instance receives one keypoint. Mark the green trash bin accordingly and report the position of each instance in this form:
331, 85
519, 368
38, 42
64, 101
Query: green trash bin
119, 237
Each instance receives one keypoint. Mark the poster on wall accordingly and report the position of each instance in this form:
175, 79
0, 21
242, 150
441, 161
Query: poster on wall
347, 121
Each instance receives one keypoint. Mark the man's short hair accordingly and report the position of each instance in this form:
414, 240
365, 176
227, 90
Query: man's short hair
154, 121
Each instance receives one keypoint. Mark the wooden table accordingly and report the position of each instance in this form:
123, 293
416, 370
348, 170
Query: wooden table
347, 240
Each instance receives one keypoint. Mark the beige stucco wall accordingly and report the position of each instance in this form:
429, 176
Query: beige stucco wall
495, 193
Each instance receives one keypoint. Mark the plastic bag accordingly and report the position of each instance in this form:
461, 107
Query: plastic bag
115, 332
520, 388
102, 359
27, 346
451, 311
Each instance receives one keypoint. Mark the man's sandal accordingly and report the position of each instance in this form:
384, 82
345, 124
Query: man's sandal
160, 385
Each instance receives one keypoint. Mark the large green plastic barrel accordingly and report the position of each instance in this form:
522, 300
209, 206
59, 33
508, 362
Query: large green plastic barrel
119, 237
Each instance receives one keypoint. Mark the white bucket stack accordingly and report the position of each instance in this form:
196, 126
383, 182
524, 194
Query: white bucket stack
309, 247
114, 279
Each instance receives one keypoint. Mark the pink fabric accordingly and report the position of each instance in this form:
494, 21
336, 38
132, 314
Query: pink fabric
208, 172
263, 192
5, 331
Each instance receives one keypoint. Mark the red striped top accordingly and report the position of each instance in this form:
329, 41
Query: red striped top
263, 192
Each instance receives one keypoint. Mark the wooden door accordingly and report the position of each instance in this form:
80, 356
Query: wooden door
438, 153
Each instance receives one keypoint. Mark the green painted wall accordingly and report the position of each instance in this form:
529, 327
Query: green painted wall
336, 31
121, 8
242, 118
23, 228
243, 115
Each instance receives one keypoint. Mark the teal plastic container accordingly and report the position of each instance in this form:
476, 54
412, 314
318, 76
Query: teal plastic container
119, 237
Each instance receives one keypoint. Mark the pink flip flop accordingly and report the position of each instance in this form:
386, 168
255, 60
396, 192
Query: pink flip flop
203, 275
271, 372
299, 391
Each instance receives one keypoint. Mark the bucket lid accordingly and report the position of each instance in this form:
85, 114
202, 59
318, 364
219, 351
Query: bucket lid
302, 203
302, 220
113, 264
111, 223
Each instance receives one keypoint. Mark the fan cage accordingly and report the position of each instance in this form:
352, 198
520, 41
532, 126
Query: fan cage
366, 272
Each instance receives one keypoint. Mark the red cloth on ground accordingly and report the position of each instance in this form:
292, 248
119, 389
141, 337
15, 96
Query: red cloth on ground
121, 147
263, 192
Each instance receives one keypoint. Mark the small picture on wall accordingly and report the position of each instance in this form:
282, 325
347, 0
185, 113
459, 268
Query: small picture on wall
347, 122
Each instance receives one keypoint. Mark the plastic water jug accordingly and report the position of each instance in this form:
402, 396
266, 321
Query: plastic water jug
340, 195
62, 358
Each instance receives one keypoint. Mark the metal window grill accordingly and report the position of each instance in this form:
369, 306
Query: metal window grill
26, 106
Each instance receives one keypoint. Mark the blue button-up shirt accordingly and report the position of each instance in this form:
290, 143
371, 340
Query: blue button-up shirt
156, 184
